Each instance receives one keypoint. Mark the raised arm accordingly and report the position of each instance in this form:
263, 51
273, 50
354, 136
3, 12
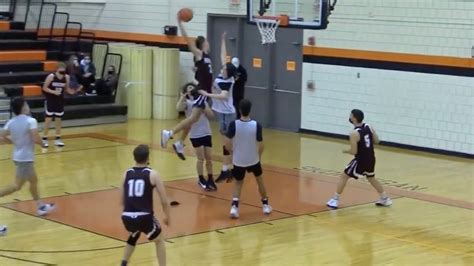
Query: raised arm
223, 48
191, 45
208, 112
160, 188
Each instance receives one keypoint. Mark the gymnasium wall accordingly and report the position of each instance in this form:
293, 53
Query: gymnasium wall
407, 107
424, 103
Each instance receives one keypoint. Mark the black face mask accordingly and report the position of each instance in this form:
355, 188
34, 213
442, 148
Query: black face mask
110, 71
350, 120
62, 72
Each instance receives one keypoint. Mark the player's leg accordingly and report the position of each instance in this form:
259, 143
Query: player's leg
29, 174
160, 250
239, 175
226, 173
166, 135
58, 126
199, 150
47, 123
349, 172
178, 146
16, 186
208, 157
258, 172
130, 247
384, 199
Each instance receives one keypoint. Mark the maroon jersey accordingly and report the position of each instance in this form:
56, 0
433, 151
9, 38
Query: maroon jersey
138, 190
365, 147
204, 72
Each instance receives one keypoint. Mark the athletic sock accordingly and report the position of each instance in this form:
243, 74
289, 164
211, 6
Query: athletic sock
265, 201
225, 167
336, 195
58, 137
235, 202
383, 195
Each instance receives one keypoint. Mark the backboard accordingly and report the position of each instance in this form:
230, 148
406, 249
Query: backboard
306, 14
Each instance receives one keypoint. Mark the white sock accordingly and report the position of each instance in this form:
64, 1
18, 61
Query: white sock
336, 195
383, 195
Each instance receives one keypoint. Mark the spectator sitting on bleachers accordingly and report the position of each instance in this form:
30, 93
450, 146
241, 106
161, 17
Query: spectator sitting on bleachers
106, 85
74, 71
88, 72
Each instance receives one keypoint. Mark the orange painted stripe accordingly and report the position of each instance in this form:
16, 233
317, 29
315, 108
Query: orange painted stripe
32, 90
390, 57
308, 50
4, 25
50, 66
22, 56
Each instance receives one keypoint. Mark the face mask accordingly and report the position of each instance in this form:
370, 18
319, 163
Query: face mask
62, 72
350, 121
110, 72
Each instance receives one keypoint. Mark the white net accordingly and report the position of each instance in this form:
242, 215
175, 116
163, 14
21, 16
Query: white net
267, 28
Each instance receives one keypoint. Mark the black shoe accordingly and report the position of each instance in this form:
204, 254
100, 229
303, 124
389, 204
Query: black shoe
211, 186
202, 183
224, 176
179, 150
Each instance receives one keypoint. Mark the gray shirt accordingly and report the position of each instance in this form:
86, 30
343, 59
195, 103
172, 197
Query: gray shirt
20, 128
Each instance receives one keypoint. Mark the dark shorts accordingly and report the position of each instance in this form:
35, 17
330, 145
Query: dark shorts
205, 141
358, 170
146, 224
200, 102
54, 109
239, 172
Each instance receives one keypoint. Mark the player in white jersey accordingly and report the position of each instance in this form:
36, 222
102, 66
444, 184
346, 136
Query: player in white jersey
22, 131
245, 139
200, 135
223, 106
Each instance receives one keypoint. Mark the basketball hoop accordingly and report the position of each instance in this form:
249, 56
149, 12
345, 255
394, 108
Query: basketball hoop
267, 27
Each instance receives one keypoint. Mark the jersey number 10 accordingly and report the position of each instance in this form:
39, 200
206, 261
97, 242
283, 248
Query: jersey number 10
136, 188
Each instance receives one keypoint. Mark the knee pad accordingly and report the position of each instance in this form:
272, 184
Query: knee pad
133, 238
225, 151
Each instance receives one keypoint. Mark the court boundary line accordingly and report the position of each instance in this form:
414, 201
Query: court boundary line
26, 260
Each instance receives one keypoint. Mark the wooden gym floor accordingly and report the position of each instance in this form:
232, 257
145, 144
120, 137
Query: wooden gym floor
431, 221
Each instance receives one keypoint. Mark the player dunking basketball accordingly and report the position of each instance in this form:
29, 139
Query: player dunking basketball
203, 75
362, 141
137, 216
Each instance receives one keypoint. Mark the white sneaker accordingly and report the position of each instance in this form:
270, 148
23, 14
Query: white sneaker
267, 209
165, 137
59, 143
384, 202
234, 212
46, 209
333, 203
45, 143
3, 230
179, 149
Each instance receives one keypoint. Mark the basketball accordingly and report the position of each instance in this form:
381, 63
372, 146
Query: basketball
185, 14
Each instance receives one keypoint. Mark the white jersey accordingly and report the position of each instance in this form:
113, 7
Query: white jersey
223, 106
245, 136
20, 128
201, 128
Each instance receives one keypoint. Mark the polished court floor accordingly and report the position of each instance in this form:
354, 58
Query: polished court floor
430, 223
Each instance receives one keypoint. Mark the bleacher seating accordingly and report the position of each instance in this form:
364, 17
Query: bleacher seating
25, 61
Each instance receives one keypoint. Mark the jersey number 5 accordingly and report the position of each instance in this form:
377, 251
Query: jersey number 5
367, 141
136, 188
